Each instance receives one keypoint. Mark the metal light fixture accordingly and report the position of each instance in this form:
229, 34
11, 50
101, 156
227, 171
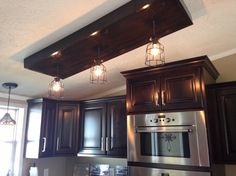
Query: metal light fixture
56, 87
155, 54
98, 72
7, 119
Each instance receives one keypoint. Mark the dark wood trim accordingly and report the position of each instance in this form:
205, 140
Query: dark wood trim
79, 49
195, 61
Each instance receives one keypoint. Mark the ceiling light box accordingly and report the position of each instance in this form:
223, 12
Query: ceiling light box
116, 33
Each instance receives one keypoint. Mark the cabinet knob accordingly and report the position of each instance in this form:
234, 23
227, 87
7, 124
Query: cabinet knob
57, 143
163, 98
157, 99
44, 144
107, 144
102, 144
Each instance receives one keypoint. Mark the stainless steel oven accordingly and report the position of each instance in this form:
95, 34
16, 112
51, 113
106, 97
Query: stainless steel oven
178, 138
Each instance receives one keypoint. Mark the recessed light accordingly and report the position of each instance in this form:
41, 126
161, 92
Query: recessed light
145, 6
56, 54
94, 33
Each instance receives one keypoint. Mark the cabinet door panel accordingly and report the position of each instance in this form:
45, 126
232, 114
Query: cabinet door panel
116, 129
66, 136
34, 119
47, 129
143, 95
93, 129
227, 101
182, 90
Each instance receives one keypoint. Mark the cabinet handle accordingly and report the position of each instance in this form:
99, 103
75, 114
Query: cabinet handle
112, 142
157, 99
57, 143
44, 144
107, 144
163, 97
102, 144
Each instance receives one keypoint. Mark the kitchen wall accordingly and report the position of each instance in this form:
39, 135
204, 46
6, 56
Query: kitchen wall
71, 162
227, 69
56, 166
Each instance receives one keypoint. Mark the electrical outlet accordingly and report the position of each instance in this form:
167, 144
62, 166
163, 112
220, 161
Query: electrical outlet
46, 172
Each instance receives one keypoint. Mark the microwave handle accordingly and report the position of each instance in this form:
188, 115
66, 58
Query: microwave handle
156, 129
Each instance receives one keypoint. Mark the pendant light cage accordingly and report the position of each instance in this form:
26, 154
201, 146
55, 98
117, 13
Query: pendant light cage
155, 53
7, 119
56, 88
98, 73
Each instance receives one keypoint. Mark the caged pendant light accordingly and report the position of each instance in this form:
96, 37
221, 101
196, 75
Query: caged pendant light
98, 72
155, 54
7, 119
56, 87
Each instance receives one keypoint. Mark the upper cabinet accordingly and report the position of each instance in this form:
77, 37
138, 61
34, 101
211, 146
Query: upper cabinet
51, 128
103, 127
40, 128
66, 133
222, 113
173, 86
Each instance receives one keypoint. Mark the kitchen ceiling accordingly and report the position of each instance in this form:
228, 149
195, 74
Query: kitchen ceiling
29, 26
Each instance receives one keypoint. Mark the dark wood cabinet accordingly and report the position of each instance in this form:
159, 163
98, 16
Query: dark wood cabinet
40, 128
222, 111
103, 127
173, 86
66, 134
116, 128
93, 127
182, 90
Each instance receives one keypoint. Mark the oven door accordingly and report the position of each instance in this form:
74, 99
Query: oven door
178, 145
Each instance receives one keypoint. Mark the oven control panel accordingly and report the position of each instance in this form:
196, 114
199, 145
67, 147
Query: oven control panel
188, 118
160, 119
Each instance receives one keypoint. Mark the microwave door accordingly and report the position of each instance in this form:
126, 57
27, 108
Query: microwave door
165, 141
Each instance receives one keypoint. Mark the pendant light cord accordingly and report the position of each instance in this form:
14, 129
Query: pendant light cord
154, 28
8, 101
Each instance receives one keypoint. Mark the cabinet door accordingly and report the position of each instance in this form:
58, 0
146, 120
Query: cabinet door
143, 95
182, 90
226, 104
116, 140
66, 134
47, 129
33, 127
93, 128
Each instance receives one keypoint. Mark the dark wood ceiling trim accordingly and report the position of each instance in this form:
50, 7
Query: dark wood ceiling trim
122, 30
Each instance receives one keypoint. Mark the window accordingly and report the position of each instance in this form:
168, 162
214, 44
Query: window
11, 142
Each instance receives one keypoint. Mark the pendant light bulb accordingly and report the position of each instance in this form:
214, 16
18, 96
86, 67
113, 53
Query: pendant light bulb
155, 50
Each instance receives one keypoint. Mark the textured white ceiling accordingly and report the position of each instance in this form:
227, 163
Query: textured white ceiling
29, 26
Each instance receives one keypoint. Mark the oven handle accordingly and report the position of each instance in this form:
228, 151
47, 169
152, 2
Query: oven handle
157, 129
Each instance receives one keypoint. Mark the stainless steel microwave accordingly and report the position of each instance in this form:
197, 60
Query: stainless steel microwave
178, 138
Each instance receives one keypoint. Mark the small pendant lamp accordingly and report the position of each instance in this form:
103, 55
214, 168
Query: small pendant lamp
7, 119
98, 72
56, 86
155, 54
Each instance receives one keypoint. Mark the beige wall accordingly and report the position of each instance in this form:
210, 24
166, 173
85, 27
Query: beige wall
227, 69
